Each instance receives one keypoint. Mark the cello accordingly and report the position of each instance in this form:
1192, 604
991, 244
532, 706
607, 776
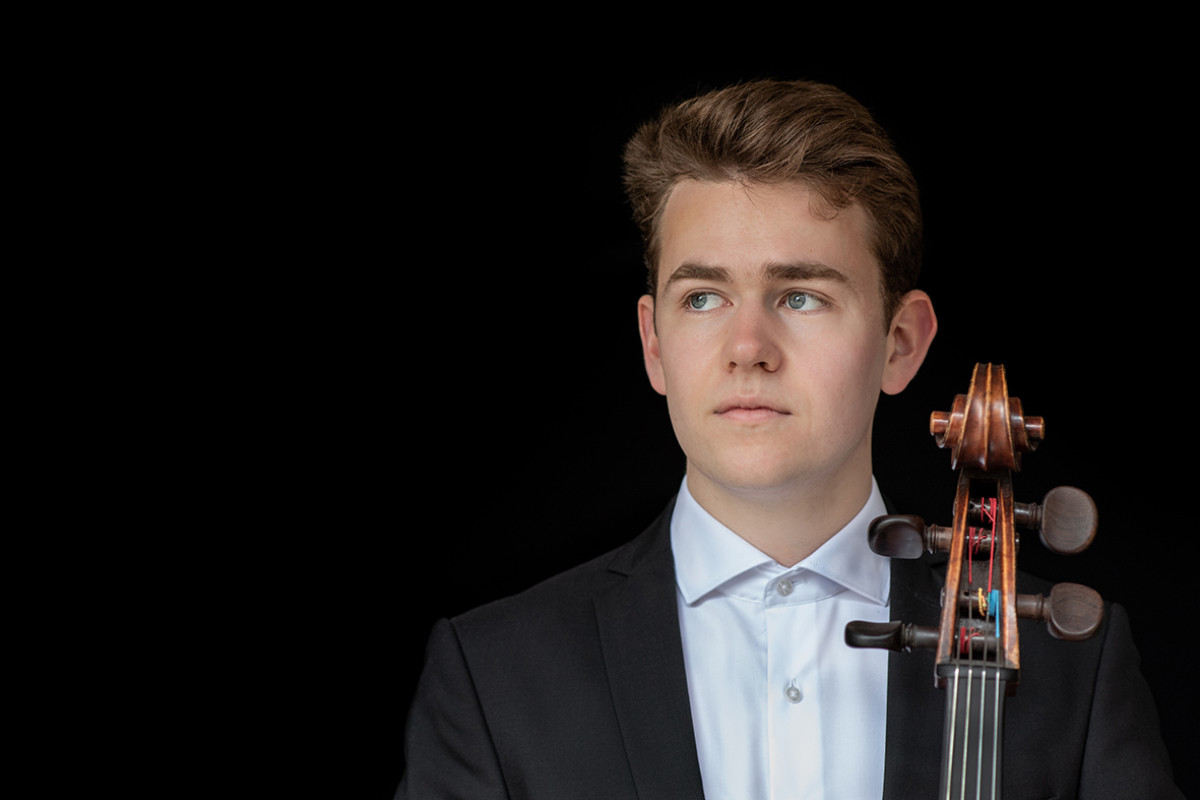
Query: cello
977, 661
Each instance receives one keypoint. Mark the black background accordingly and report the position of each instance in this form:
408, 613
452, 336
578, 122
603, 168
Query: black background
523, 437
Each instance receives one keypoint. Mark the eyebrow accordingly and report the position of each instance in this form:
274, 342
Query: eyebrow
790, 271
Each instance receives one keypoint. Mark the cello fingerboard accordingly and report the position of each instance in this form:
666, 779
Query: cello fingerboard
973, 733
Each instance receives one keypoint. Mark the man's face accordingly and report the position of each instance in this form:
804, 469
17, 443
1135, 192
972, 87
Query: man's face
767, 338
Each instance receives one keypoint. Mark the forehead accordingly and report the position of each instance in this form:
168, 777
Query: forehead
745, 227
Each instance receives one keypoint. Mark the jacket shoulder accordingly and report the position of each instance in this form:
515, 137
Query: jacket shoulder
560, 600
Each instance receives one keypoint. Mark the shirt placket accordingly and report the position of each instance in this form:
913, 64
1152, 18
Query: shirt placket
793, 715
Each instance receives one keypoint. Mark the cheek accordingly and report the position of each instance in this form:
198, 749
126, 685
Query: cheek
853, 376
679, 387
684, 387
683, 362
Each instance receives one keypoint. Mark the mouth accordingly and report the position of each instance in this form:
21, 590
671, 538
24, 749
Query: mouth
750, 411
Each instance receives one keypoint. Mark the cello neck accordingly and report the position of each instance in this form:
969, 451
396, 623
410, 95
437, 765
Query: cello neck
972, 752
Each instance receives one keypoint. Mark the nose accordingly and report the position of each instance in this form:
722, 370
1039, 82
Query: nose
752, 340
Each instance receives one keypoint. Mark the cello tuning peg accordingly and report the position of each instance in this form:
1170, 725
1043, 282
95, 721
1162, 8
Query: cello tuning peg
906, 536
1072, 612
896, 636
1066, 520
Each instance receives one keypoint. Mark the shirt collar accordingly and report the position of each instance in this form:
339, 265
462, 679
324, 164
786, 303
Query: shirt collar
709, 555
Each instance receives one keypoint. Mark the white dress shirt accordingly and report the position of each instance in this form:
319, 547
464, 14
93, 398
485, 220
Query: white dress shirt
782, 708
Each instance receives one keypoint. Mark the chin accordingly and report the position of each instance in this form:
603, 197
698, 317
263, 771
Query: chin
760, 478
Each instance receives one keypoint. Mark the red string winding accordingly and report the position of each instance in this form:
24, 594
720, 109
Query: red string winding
989, 511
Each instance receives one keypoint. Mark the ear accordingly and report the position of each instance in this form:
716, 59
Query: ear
911, 332
651, 352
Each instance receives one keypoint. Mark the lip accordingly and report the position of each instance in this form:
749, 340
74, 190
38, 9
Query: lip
749, 411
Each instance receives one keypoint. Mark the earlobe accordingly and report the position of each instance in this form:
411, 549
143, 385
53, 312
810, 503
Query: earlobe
651, 353
911, 334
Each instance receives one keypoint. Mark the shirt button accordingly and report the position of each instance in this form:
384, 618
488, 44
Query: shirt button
793, 694
784, 587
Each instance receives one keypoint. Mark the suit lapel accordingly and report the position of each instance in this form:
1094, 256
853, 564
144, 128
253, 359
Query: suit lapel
638, 623
915, 706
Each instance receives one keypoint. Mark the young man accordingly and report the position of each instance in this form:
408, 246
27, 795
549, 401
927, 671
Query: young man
706, 658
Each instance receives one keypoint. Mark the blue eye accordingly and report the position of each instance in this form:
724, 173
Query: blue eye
802, 301
703, 301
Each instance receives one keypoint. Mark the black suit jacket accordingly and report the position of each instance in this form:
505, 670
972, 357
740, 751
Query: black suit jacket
576, 689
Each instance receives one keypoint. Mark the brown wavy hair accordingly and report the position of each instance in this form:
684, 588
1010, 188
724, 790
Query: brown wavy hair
771, 131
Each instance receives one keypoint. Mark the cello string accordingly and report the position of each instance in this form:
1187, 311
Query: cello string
996, 740
982, 721
966, 730
989, 510
991, 655
998, 664
953, 728
968, 635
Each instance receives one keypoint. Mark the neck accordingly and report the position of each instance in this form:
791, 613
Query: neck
787, 525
